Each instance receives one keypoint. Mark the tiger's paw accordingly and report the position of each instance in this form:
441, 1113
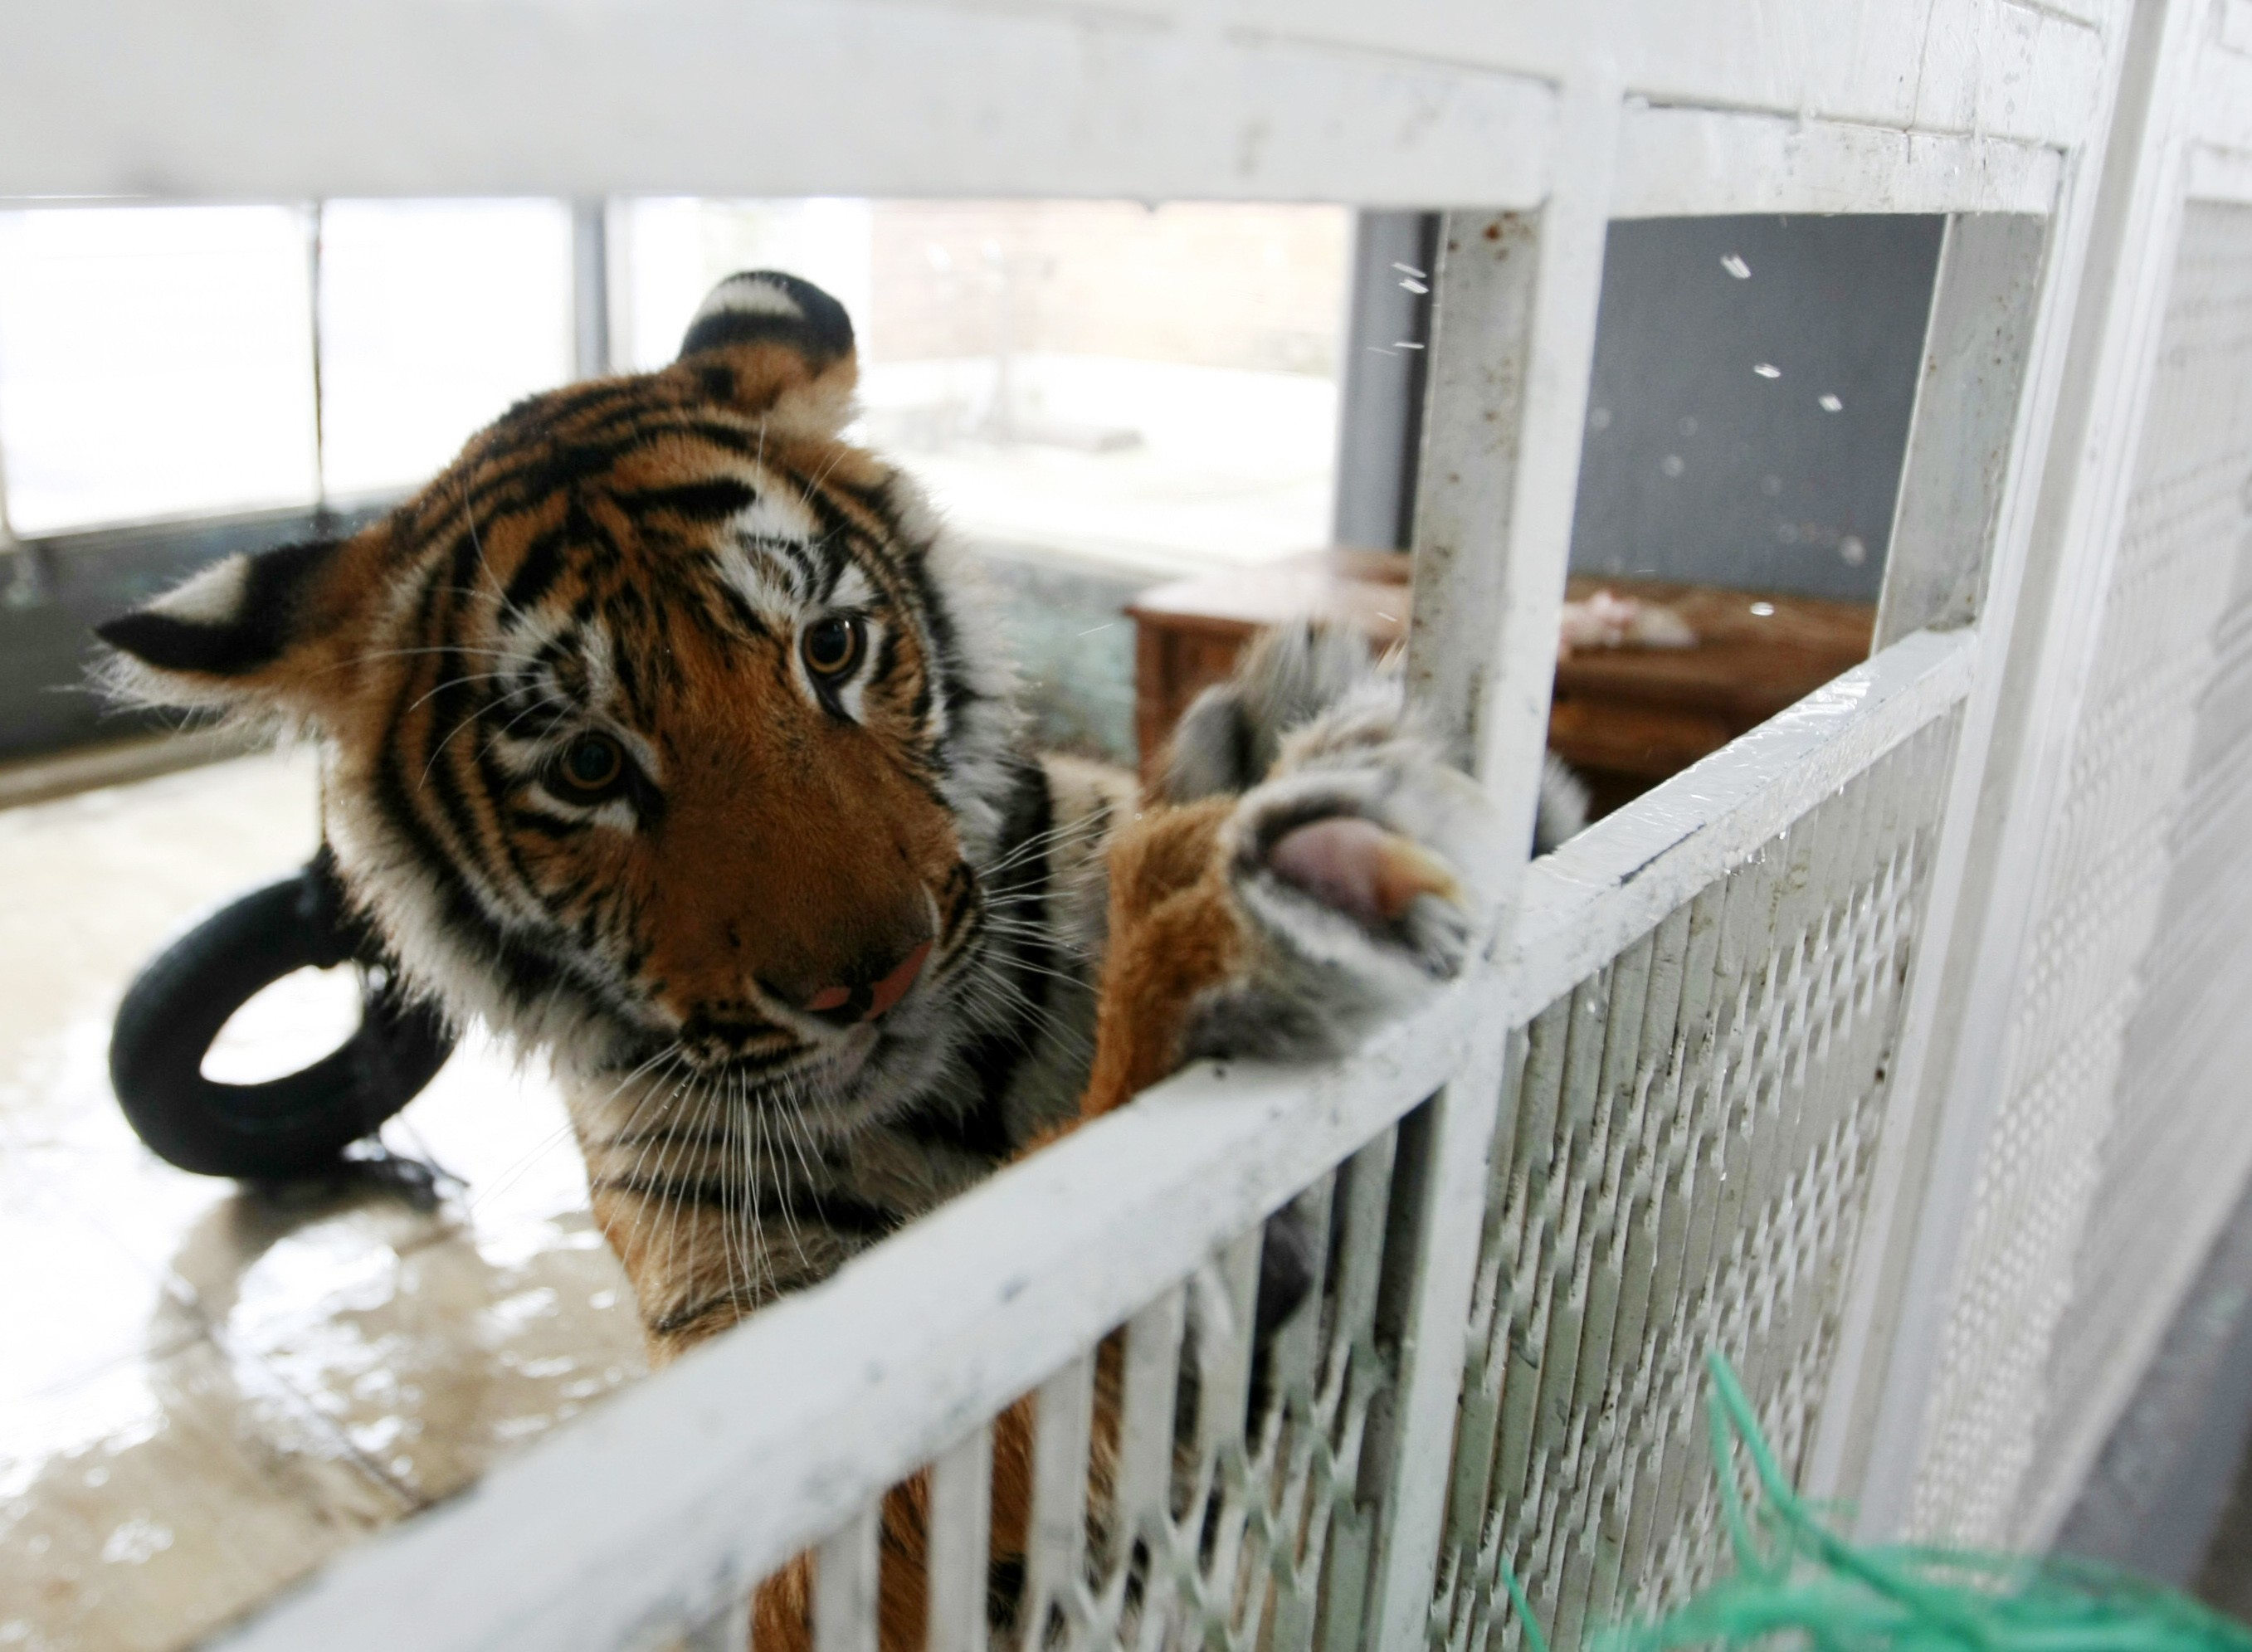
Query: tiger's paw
1311, 866
1362, 870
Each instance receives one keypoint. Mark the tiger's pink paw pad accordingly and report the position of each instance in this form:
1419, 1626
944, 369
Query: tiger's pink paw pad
1356, 866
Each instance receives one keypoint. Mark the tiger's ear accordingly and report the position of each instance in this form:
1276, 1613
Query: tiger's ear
253, 630
774, 345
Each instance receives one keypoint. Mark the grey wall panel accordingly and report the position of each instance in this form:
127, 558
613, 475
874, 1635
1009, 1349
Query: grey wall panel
1701, 467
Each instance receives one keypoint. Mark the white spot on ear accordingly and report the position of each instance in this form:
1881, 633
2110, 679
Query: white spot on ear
212, 597
746, 295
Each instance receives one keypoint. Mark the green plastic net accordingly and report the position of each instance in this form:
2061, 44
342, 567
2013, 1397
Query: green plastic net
1798, 1583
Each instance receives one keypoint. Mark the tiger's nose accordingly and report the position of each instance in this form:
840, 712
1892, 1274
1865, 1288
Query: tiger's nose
845, 1005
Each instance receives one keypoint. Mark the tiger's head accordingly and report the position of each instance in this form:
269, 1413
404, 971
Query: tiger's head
661, 725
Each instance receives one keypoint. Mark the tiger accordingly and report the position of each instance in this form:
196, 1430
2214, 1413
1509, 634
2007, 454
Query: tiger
669, 734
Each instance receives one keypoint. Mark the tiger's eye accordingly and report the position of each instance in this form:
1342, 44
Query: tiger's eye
591, 766
833, 646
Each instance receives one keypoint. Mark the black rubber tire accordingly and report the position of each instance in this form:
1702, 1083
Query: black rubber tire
290, 1126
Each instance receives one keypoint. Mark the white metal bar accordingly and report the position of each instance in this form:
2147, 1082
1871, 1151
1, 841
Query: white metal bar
1978, 53
1968, 857
9, 543
1960, 523
960, 1542
1676, 162
1936, 500
1512, 349
1367, 1181
2143, 745
1224, 1346
1584, 903
1536, 1186
1976, 348
592, 355
865, 1378
606, 98
1953, 1041
1145, 1449
310, 220
1264, 98
1512, 344
844, 1585
1224, 1355
1473, 424
1294, 1349
1064, 1417
1416, 1472
1938, 66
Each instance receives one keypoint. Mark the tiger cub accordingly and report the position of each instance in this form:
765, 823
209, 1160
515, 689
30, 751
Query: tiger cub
666, 732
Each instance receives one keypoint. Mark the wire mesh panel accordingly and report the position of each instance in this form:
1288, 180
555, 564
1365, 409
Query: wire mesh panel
2176, 1140
1685, 1150
1119, 1421
2078, 1132
1195, 1480
1233, 1482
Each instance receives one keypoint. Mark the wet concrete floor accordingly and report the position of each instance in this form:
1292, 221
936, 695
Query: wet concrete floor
206, 1391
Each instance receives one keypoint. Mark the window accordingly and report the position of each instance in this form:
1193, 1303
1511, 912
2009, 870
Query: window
435, 316
157, 362
1748, 415
153, 362
1153, 387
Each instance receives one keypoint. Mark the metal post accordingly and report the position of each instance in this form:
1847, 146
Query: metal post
22, 586
1512, 346
1971, 467
320, 412
590, 288
2026, 705
1976, 349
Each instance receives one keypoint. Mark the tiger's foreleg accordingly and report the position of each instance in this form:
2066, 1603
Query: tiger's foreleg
1281, 915
1169, 940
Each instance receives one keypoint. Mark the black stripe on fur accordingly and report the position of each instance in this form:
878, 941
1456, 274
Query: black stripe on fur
821, 329
838, 1213
994, 1058
265, 622
712, 500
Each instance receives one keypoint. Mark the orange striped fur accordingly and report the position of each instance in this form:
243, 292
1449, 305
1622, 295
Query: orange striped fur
665, 732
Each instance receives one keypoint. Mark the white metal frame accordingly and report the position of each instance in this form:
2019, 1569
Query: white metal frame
2180, 130
918, 1343
2046, 128
1977, 993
